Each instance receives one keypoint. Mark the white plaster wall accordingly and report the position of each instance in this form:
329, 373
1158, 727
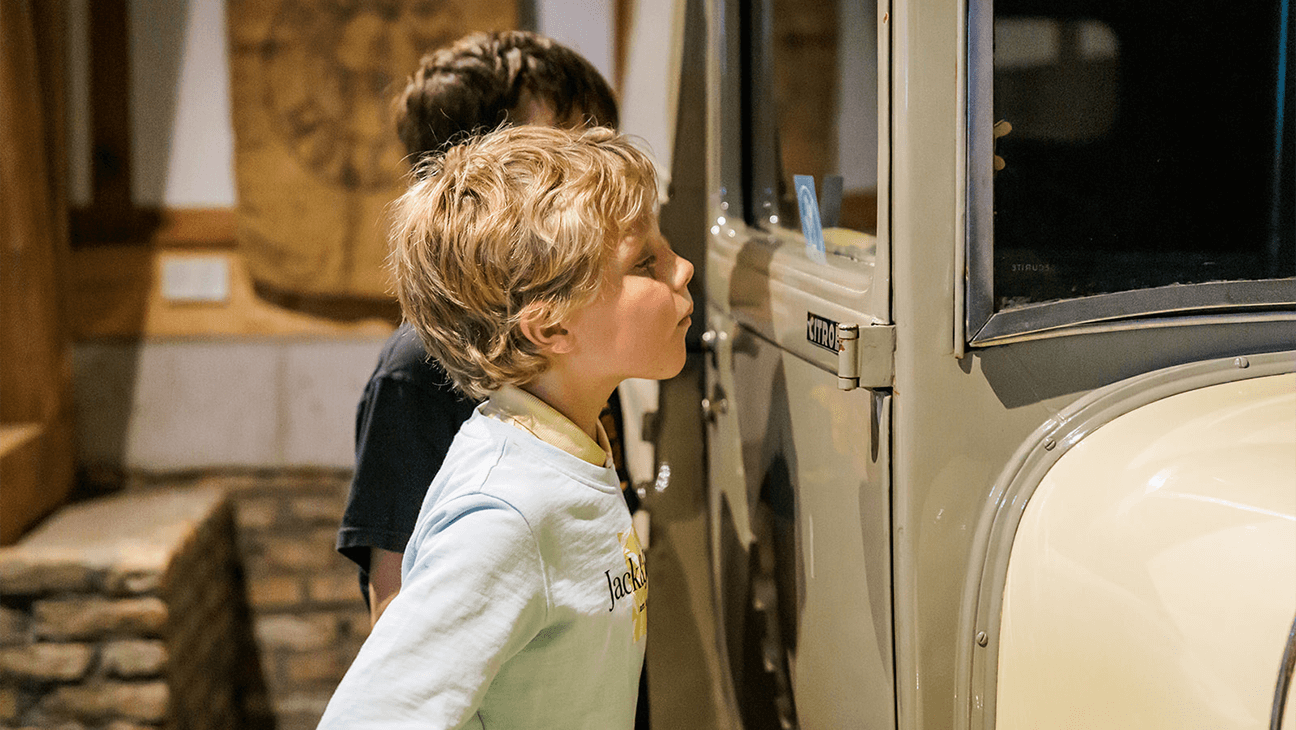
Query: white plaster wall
186, 157
178, 405
650, 88
586, 26
182, 136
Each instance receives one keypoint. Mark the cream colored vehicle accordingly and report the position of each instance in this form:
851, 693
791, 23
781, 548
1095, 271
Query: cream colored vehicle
1015, 446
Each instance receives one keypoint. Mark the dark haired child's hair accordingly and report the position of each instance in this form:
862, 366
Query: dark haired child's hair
485, 80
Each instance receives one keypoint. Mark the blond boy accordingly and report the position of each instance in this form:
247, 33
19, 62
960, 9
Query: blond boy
530, 263
409, 413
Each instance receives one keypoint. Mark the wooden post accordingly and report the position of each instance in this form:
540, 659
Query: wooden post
35, 362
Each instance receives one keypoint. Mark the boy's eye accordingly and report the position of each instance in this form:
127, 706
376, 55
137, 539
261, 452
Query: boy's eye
647, 264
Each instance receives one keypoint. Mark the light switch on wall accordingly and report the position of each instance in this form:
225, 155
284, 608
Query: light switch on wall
195, 279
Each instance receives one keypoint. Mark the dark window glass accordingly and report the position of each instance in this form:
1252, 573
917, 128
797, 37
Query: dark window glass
1151, 144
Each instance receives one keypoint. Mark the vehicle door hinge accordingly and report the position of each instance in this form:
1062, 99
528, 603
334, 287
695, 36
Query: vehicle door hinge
865, 356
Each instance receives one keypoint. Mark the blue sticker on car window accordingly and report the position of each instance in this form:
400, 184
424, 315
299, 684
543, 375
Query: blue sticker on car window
811, 226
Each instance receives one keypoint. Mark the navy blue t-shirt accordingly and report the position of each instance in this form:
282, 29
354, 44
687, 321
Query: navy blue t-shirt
409, 414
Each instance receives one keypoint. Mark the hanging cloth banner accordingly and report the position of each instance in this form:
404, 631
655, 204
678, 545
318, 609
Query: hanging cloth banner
317, 159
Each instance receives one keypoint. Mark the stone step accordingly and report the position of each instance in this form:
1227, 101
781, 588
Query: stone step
129, 609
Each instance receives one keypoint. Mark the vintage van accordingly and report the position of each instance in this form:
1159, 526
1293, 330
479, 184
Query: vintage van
1000, 395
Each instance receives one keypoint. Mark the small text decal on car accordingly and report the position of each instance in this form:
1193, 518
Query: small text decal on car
821, 331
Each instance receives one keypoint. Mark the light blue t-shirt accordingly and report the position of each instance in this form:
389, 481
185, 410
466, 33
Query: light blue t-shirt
523, 599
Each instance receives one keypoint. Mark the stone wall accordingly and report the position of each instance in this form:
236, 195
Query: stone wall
121, 634
129, 612
307, 613
310, 619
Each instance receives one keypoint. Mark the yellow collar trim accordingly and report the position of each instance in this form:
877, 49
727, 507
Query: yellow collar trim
510, 404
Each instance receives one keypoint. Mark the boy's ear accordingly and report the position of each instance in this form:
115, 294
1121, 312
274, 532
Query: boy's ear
551, 337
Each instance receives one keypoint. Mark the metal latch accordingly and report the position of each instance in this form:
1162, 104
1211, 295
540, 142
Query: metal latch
865, 356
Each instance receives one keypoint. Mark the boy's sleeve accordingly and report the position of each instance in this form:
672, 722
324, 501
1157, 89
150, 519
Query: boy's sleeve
475, 596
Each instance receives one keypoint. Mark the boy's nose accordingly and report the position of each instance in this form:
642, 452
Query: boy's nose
684, 271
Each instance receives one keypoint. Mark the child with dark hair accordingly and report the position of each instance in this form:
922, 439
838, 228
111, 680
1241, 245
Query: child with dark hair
410, 412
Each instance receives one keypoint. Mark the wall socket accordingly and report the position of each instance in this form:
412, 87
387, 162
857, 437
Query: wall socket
195, 279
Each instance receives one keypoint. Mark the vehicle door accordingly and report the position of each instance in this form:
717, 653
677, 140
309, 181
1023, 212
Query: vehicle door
797, 451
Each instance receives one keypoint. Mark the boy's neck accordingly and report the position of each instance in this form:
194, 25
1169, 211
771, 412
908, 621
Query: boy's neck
580, 402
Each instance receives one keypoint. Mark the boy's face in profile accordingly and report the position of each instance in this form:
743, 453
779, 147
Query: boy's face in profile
643, 310
635, 327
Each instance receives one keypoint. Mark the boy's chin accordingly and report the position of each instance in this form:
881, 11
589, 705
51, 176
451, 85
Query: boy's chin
665, 369
677, 368
666, 372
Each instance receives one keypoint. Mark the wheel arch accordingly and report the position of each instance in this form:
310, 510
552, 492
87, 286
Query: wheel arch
979, 638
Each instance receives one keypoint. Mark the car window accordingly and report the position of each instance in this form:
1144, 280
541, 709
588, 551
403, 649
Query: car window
1136, 145
814, 111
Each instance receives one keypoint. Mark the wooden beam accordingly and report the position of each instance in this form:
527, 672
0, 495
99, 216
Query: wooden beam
171, 228
115, 293
21, 469
110, 105
623, 20
36, 407
113, 216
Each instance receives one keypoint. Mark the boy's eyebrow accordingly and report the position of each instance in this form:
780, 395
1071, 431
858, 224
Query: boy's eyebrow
640, 249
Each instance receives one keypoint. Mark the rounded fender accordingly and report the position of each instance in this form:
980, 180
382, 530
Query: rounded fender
1151, 581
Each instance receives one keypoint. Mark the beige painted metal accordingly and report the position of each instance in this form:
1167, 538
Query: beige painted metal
770, 284
725, 465
1152, 580
881, 304
844, 556
957, 422
775, 412
684, 665
772, 396
951, 429
951, 425
795, 425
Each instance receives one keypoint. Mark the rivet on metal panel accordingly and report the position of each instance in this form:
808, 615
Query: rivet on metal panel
982, 639
1049, 445
1242, 363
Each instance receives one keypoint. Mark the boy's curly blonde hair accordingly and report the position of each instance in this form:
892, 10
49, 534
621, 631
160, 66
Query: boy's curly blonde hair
524, 219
